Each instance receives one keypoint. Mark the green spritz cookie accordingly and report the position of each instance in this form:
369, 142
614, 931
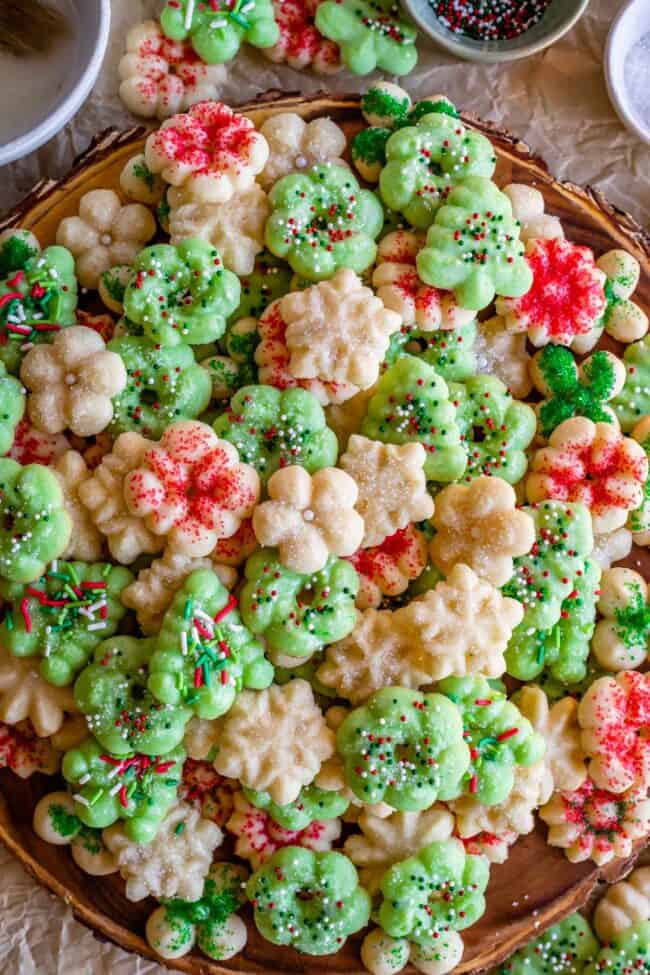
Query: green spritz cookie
12, 407
404, 748
473, 246
633, 402
274, 428
411, 403
136, 788
298, 614
439, 889
628, 953
544, 578
563, 650
564, 949
308, 672
310, 901
217, 29
269, 280
425, 161
17, 247
163, 385
570, 393
34, 525
311, 805
36, 301
64, 615
120, 710
495, 429
451, 354
498, 736
321, 221
181, 294
372, 34
226, 377
204, 655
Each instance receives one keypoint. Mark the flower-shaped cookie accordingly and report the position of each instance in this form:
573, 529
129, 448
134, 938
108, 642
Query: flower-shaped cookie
181, 294
383, 955
161, 77
622, 319
322, 221
614, 715
301, 44
564, 949
528, 207
12, 407
558, 725
295, 144
591, 823
138, 183
387, 569
210, 150
622, 638
627, 952
623, 905
503, 354
592, 463
452, 354
104, 233
275, 740
31, 446
217, 29
371, 34
567, 296
174, 864
633, 402
313, 804
479, 525
402, 497
22, 751
309, 518
24, 694
71, 382
473, 246
515, 816
191, 488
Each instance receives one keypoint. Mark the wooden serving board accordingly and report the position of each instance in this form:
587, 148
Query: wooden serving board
537, 886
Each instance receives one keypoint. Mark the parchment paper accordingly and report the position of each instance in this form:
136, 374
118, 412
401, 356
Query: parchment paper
557, 102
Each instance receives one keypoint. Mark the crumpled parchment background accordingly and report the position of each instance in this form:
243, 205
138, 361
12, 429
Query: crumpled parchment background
556, 101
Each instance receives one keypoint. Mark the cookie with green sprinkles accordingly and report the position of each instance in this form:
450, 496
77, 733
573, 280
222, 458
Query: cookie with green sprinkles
12, 407
412, 404
309, 901
440, 889
564, 949
274, 428
227, 376
136, 788
298, 614
34, 525
404, 748
17, 248
473, 246
451, 354
121, 712
204, 654
216, 30
311, 805
371, 34
633, 401
269, 280
181, 294
572, 391
63, 616
499, 738
163, 385
627, 953
321, 220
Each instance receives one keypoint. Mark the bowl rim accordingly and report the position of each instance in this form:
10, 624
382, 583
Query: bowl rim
50, 126
495, 56
614, 91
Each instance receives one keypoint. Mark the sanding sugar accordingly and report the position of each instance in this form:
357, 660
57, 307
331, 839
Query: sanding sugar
637, 78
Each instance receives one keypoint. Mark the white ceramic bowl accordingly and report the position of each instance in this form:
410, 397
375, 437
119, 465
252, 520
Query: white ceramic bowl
632, 23
91, 28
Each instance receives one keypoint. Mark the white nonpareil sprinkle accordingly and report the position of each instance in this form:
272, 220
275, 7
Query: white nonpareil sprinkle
189, 14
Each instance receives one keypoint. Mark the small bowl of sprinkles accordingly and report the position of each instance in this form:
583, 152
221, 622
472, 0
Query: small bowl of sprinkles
495, 30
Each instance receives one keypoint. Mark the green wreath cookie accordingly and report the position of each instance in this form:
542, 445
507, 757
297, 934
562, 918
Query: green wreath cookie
404, 748
34, 525
312, 804
411, 403
136, 788
563, 949
498, 736
298, 614
495, 428
633, 402
372, 34
269, 280
272, 428
310, 901
217, 29
439, 889
571, 394
321, 221
63, 616
181, 294
425, 161
12, 407
628, 953
473, 246
451, 354
163, 385
120, 711
204, 655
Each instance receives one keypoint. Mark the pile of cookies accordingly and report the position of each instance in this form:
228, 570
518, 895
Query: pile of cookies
307, 535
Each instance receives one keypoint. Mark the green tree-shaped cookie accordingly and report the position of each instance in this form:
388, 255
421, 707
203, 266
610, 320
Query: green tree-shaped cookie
310, 901
217, 29
372, 34
571, 393
321, 221
628, 953
411, 403
12, 407
298, 614
311, 805
498, 736
633, 402
473, 246
564, 949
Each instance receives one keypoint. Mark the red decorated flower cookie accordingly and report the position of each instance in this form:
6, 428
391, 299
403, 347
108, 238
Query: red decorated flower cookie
24, 753
30, 446
301, 44
387, 569
210, 792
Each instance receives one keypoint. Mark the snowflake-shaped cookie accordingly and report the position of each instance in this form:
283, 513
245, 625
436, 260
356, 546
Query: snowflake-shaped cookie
295, 144
25, 694
503, 354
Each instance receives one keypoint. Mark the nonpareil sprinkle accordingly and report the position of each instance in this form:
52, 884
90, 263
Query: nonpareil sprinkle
489, 20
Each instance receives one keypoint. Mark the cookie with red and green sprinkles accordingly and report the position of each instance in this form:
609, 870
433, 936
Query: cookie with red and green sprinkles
313, 804
628, 953
633, 401
565, 949
372, 34
269, 280
451, 354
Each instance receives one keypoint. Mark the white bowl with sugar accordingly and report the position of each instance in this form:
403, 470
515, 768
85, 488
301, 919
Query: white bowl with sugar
627, 67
